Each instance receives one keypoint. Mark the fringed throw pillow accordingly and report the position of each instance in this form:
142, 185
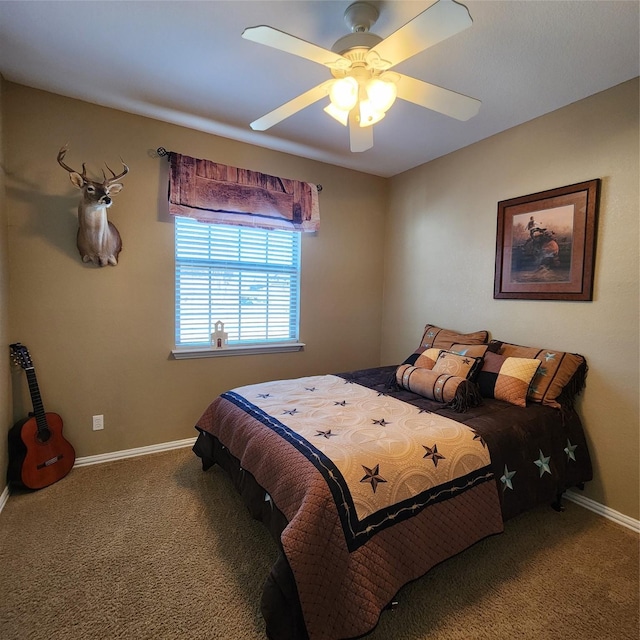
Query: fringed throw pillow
561, 375
459, 393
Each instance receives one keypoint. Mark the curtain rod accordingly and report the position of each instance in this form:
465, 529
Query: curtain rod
161, 151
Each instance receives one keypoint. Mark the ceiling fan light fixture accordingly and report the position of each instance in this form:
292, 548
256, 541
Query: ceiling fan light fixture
369, 115
340, 115
344, 93
363, 88
381, 93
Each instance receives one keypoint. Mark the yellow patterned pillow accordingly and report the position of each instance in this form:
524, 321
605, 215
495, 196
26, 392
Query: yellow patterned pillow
427, 359
507, 379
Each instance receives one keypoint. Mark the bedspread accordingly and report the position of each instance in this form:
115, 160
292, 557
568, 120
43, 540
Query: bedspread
537, 452
375, 491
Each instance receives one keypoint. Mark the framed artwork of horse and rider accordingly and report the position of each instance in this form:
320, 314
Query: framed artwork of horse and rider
545, 244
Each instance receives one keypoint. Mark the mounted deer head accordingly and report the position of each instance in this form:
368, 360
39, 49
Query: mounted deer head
98, 240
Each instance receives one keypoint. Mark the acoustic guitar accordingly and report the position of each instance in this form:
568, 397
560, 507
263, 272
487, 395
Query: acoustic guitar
39, 455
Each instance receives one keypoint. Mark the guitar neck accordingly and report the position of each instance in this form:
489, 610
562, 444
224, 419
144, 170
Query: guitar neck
36, 399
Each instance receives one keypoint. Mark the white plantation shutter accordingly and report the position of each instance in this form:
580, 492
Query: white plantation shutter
247, 278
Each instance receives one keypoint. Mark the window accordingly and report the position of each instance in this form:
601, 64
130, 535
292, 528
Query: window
247, 278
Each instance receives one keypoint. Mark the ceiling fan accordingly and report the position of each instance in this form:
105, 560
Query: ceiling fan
363, 88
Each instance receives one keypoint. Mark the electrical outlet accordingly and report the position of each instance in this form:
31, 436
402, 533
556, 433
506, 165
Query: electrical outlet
98, 422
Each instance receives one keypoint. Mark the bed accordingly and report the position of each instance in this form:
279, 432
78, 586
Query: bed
367, 479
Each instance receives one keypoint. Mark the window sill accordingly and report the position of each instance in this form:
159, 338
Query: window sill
253, 350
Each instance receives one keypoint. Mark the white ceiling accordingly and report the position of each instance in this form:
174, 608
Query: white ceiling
186, 63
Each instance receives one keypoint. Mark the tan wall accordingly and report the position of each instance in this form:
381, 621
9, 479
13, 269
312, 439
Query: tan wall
441, 253
101, 338
5, 389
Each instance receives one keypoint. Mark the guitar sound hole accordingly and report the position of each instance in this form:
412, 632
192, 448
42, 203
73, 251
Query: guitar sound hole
44, 435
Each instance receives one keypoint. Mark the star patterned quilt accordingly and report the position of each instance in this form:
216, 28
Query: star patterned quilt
376, 490
378, 455
366, 486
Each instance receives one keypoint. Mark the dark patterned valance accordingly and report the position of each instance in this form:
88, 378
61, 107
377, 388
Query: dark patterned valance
217, 193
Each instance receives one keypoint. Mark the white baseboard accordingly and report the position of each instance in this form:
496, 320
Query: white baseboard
4, 496
600, 509
132, 453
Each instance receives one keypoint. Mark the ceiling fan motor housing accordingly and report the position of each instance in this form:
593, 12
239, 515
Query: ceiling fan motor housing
359, 17
357, 40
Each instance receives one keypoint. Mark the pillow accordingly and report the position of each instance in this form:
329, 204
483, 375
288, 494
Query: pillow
426, 359
506, 378
458, 393
437, 338
559, 372
457, 365
474, 350
443, 338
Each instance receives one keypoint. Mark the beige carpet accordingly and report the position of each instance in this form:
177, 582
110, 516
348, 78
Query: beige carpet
152, 547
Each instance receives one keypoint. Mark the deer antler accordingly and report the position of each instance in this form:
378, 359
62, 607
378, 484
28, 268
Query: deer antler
61, 155
108, 181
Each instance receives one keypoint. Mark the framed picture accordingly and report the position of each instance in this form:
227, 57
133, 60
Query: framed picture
545, 244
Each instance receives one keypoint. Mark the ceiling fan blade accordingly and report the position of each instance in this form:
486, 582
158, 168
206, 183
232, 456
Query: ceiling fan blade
440, 21
280, 40
436, 98
360, 138
291, 107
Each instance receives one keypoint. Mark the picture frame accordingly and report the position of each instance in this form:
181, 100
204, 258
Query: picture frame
545, 244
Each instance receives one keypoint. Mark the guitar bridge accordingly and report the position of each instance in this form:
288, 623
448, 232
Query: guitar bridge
48, 463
